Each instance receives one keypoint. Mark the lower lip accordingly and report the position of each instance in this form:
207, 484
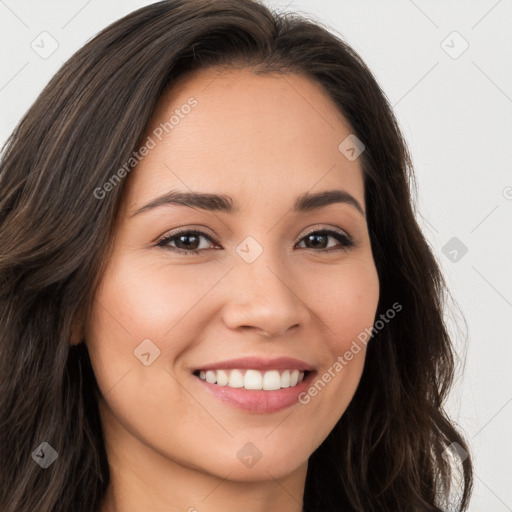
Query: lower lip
259, 401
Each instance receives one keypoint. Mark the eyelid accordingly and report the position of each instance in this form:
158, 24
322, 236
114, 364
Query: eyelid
321, 227
194, 227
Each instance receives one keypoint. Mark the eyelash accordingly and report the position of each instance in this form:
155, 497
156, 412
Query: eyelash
345, 240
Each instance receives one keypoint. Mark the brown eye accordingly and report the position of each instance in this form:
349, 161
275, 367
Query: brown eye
319, 239
186, 242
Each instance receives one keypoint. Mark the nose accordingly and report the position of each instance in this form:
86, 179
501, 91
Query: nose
263, 297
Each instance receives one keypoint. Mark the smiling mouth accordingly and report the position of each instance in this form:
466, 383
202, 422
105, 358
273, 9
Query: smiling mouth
252, 379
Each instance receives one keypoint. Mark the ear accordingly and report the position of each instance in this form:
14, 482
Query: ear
77, 333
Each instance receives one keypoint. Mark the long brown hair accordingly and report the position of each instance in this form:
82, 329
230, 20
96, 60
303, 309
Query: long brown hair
387, 452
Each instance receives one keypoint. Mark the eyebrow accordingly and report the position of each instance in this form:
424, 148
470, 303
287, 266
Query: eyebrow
222, 203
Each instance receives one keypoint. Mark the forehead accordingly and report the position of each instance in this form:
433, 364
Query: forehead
235, 132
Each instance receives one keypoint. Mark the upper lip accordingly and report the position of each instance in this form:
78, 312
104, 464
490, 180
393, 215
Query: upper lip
259, 363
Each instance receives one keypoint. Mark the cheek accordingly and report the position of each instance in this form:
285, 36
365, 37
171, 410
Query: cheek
139, 300
130, 306
345, 298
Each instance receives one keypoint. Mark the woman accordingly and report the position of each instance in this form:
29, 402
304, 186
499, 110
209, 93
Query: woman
292, 355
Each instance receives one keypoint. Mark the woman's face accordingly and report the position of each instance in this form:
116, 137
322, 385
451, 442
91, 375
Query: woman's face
261, 286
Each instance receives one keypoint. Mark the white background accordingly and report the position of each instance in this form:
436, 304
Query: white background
456, 115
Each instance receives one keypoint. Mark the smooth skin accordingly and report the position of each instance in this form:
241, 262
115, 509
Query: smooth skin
263, 140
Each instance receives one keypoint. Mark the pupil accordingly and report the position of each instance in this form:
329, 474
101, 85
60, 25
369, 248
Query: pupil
311, 237
184, 237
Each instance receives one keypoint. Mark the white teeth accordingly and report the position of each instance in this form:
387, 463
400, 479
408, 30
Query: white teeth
285, 379
222, 378
236, 379
271, 380
253, 379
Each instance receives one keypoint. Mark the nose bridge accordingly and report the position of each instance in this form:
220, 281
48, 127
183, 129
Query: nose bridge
261, 262
261, 294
